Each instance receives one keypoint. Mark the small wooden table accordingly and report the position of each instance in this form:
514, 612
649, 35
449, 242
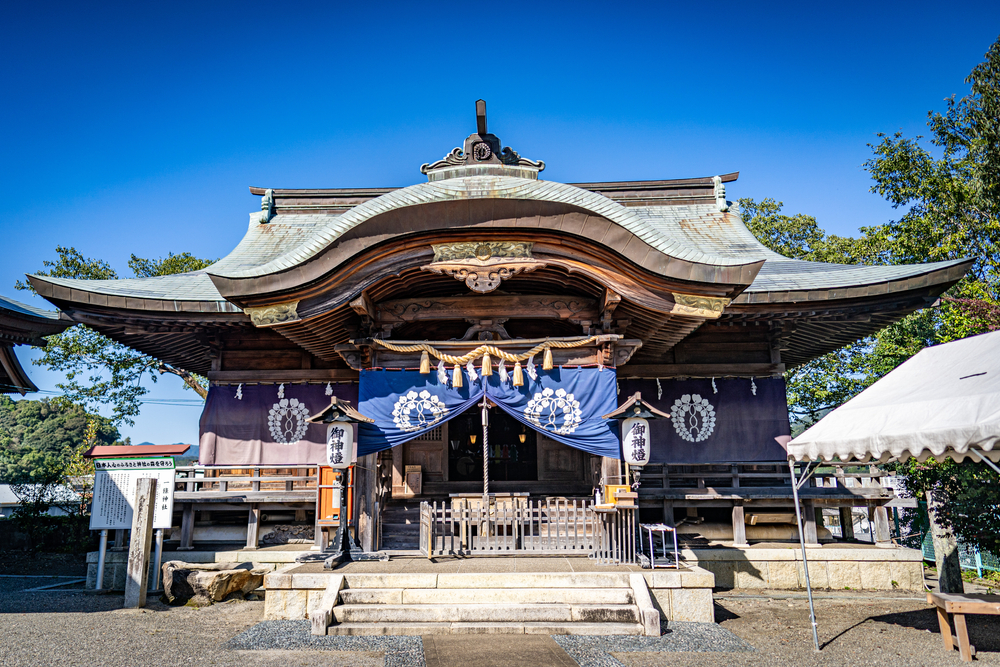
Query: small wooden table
958, 606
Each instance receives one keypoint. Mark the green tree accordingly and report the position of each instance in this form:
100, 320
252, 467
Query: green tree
99, 371
39, 438
949, 196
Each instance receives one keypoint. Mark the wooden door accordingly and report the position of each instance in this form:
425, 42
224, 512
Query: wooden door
559, 462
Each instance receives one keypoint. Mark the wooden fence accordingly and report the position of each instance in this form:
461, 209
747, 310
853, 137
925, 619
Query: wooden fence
542, 526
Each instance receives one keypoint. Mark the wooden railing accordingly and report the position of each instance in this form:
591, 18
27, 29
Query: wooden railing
540, 526
248, 483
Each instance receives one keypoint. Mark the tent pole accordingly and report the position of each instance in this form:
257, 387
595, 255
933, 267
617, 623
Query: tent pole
982, 457
802, 543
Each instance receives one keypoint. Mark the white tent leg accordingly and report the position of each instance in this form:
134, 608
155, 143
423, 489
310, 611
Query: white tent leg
802, 544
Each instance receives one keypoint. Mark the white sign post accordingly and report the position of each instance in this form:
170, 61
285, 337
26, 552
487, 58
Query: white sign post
115, 483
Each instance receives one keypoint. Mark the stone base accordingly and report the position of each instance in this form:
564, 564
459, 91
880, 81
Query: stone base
678, 595
830, 567
115, 562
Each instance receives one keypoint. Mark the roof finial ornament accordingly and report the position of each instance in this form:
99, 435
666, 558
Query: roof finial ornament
481, 117
720, 194
267, 206
482, 154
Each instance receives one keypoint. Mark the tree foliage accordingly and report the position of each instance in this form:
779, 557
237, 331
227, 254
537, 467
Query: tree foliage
99, 371
39, 438
947, 190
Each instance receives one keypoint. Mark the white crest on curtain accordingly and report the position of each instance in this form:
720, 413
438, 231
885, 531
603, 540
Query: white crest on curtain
239, 392
715, 390
281, 391
442, 373
659, 389
554, 411
470, 368
693, 417
286, 421
753, 387
329, 389
529, 368
503, 372
415, 412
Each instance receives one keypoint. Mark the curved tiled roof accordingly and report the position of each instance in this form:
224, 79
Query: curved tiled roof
697, 233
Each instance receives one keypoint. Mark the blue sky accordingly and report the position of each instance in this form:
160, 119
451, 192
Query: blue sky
136, 128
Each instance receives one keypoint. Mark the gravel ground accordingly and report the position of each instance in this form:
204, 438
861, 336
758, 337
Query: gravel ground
75, 628
677, 637
398, 651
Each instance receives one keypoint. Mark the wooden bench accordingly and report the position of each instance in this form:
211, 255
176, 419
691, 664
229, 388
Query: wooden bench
958, 606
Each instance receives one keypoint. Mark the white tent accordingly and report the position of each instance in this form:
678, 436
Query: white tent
943, 402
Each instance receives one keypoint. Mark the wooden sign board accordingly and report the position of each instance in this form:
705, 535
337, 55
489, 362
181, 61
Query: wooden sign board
115, 482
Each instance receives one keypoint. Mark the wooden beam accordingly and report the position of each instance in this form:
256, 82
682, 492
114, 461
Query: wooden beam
290, 375
399, 311
363, 306
699, 370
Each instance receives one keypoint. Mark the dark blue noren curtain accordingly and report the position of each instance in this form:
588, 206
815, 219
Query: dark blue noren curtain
566, 404
726, 423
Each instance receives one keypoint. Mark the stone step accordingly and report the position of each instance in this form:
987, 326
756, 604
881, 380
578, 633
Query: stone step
485, 613
444, 628
455, 580
603, 596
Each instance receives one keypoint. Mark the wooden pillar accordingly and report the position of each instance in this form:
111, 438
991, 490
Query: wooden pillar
364, 500
809, 519
187, 527
945, 551
739, 527
883, 536
668, 513
137, 574
300, 516
611, 471
398, 489
253, 526
846, 523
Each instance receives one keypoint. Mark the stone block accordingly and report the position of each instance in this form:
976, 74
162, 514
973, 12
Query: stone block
875, 575
751, 574
697, 577
488, 628
285, 605
909, 576
843, 575
391, 580
819, 575
664, 579
724, 572
692, 605
782, 575
309, 580
277, 580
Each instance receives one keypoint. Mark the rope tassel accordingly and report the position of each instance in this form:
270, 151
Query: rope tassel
547, 360
518, 375
425, 363
456, 377
487, 365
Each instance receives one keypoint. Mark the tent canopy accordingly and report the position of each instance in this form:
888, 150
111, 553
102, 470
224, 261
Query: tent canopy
943, 402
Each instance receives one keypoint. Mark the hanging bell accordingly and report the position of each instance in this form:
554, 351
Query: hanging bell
456, 377
487, 365
425, 363
547, 360
518, 375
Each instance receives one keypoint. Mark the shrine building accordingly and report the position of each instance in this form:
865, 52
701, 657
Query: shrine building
486, 290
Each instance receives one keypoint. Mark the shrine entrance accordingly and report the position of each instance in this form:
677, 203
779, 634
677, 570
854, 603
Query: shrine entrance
512, 448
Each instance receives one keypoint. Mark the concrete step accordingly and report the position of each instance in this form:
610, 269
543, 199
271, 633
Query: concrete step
485, 613
456, 580
603, 596
444, 628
